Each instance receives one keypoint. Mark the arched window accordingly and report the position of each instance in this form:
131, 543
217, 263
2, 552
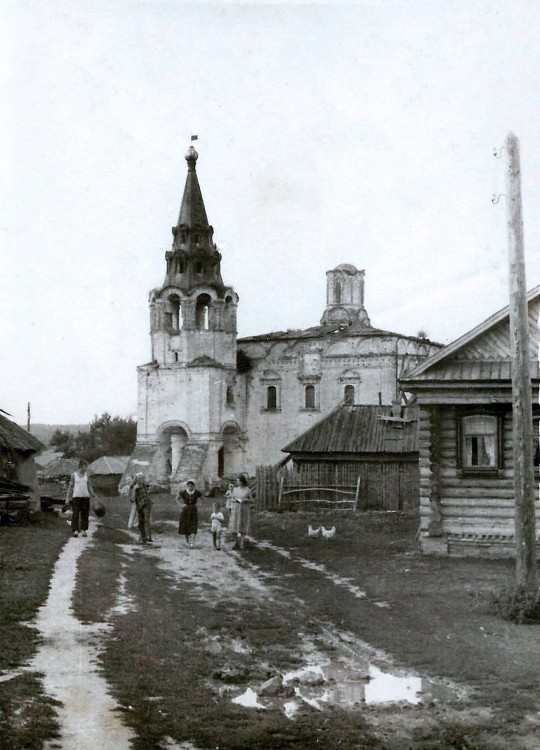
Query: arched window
271, 397
230, 395
309, 397
348, 395
199, 267
201, 312
176, 356
337, 292
174, 302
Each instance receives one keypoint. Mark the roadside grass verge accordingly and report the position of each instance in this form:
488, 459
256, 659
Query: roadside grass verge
27, 557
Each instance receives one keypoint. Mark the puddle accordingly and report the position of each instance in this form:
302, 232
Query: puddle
353, 679
68, 658
248, 699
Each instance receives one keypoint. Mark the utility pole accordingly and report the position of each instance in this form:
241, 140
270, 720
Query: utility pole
522, 423
28, 417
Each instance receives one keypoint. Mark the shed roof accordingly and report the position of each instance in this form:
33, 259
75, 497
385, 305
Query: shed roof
13, 437
62, 467
109, 465
359, 429
47, 457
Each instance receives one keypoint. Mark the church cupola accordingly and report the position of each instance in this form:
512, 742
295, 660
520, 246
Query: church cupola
345, 296
194, 259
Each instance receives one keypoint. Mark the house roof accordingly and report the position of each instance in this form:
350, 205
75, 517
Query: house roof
109, 465
13, 437
62, 467
470, 364
359, 429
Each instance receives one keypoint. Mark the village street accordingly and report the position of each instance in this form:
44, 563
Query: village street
164, 646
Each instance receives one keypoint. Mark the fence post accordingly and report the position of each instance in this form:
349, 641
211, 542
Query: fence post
357, 493
280, 491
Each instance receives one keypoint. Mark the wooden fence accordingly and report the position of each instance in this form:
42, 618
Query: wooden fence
384, 485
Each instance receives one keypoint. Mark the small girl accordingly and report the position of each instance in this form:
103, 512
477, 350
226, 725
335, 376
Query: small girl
216, 522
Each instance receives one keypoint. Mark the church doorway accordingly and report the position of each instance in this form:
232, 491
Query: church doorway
172, 441
230, 455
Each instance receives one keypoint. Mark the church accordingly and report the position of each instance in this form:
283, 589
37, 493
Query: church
211, 405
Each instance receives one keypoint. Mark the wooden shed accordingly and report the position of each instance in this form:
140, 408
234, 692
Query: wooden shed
17, 466
106, 473
464, 396
54, 480
377, 444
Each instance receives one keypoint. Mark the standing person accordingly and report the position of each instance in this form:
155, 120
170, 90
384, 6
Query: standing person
229, 495
217, 520
240, 521
189, 516
79, 492
143, 502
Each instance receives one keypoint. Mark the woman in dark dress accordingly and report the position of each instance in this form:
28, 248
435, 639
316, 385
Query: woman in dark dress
189, 516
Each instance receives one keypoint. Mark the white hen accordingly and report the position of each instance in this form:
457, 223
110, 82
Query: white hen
313, 532
328, 533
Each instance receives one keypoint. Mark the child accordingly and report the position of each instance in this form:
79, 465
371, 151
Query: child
216, 523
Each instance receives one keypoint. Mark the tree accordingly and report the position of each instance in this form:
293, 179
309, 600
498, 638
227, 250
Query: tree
107, 436
64, 442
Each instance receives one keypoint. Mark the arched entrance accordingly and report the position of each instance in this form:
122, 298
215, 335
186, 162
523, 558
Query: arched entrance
171, 443
231, 454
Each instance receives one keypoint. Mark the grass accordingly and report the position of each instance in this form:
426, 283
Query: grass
27, 557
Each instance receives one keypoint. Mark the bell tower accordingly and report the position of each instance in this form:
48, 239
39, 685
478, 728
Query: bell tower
193, 314
186, 393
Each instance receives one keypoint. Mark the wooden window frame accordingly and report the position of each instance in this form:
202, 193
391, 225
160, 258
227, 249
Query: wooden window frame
486, 471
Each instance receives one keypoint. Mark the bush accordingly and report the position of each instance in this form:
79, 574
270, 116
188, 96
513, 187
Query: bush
517, 604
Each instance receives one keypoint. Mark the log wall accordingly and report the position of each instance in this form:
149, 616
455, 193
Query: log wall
477, 511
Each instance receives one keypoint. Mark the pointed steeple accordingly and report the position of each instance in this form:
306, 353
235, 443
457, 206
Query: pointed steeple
192, 210
194, 259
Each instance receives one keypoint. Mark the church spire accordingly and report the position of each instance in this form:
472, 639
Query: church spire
194, 259
192, 210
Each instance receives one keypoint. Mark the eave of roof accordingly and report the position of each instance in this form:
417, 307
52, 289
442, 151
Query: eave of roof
467, 338
13, 437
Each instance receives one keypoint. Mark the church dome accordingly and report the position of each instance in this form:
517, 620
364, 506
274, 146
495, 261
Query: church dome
347, 267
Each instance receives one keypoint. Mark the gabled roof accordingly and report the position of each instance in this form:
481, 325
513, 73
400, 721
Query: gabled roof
468, 366
359, 429
62, 467
13, 437
47, 457
109, 465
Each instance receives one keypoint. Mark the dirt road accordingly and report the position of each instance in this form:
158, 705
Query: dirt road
164, 646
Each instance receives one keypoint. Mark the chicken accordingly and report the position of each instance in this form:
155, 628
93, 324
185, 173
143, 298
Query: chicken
328, 533
313, 532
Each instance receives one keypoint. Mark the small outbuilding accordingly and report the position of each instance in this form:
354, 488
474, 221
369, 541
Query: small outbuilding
464, 397
18, 471
377, 445
54, 480
106, 473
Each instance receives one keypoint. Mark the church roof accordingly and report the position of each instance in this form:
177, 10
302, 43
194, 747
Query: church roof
359, 429
335, 329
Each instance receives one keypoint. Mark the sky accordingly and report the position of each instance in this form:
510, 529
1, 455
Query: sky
330, 133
